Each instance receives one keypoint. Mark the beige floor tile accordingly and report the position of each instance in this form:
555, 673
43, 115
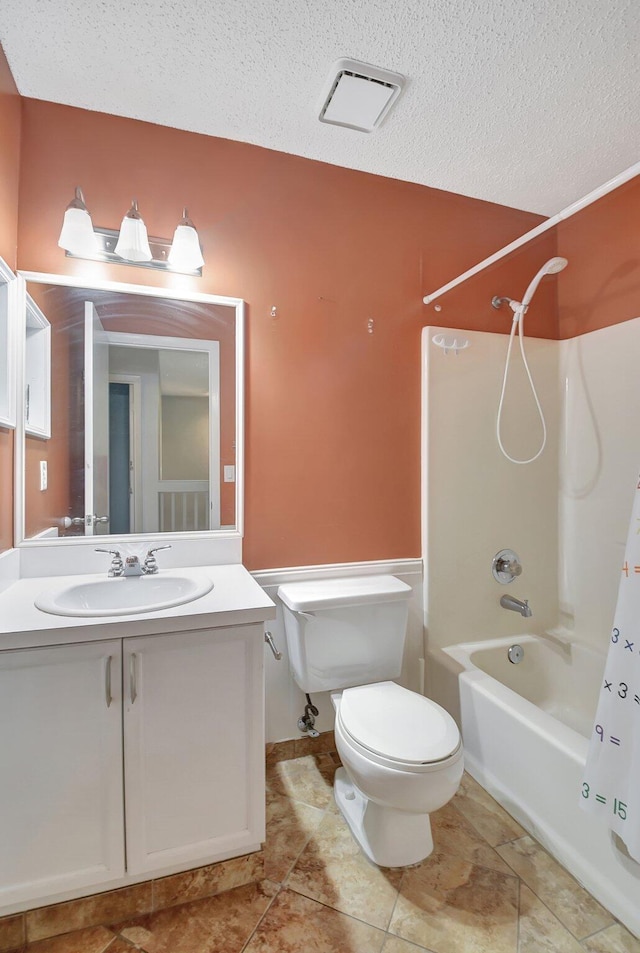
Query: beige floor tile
325, 742
333, 870
539, 930
220, 924
393, 944
280, 751
454, 835
615, 939
295, 924
289, 826
308, 779
486, 815
93, 940
452, 906
564, 896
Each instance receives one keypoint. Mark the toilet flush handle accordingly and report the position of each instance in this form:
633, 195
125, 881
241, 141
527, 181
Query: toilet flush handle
272, 645
309, 616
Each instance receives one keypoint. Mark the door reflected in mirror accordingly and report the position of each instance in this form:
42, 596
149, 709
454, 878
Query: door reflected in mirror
145, 421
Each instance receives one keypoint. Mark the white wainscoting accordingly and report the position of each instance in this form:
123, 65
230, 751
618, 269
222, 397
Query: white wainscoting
284, 700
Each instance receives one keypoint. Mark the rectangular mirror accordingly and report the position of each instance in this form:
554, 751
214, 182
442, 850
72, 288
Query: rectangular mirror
146, 413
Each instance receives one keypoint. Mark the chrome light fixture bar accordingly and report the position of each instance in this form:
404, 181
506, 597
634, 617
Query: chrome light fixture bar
131, 245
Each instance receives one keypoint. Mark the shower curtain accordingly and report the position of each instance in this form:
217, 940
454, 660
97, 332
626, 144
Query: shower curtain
611, 784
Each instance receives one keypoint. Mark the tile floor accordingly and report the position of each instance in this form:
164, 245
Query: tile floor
487, 888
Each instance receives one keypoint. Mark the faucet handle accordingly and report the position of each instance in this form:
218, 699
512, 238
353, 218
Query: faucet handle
117, 566
150, 566
506, 566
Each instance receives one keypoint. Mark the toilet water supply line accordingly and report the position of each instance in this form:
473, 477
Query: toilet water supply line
518, 321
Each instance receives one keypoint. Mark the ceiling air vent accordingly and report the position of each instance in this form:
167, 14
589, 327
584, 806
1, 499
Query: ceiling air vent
359, 96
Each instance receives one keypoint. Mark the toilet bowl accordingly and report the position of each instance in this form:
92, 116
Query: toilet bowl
401, 752
403, 759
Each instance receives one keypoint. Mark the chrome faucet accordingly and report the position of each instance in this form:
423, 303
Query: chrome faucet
117, 566
132, 565
510, 602
150, 566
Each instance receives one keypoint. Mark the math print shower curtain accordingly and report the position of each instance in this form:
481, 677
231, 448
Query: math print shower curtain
611, 785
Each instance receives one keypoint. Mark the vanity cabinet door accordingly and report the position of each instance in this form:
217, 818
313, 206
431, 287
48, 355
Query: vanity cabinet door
194, 747
61, 769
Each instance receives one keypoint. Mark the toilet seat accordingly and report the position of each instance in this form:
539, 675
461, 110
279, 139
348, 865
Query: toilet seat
398, 728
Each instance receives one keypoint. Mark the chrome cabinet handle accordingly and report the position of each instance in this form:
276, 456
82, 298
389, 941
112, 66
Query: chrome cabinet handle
107, 682
272, 645
133, 687
100, 519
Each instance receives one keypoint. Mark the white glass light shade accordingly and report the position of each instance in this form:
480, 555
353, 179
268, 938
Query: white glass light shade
133, 241
77, 236
185, 249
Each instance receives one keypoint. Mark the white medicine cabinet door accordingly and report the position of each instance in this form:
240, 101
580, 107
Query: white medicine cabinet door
37, 372
194, 746
8, 345
61, 815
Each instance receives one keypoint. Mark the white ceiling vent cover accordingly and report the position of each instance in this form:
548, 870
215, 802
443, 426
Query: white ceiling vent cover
359, 96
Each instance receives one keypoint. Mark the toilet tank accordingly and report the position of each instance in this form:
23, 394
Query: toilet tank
345, 632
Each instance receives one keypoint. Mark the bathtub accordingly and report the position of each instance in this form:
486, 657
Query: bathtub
525, 729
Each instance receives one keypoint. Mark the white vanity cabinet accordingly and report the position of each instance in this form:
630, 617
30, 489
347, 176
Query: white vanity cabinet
193, 746
61, 811
183, 712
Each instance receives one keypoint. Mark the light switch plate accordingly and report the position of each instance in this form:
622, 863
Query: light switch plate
230, 474
43, 474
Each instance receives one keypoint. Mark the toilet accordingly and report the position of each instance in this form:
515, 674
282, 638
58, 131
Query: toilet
401, 752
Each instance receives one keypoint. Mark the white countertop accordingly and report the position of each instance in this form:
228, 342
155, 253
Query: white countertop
236, 599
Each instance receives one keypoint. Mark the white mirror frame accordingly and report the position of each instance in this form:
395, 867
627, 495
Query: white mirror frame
9, 323
67, 281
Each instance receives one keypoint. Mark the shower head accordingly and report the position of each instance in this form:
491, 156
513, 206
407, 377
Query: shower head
497, 302
551, 267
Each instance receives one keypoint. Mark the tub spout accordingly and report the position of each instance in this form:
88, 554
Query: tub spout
510, 602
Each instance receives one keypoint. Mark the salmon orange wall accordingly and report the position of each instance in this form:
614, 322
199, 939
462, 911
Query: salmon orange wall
601, 285
333, 412
10, 115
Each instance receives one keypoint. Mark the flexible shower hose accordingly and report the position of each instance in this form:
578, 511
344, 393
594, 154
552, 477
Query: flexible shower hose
518, 319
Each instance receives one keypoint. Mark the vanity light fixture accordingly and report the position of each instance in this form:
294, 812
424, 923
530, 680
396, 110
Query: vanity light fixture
131, 245
133, 241
185, 248
77, 235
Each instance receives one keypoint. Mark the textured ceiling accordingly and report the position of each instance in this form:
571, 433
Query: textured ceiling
528, 103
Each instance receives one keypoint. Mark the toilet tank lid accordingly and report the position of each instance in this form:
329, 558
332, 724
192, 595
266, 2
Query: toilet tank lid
328, 593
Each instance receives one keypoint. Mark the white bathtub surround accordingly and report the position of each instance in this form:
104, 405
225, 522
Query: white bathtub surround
610, 789
599, 449
475, 503
525, 730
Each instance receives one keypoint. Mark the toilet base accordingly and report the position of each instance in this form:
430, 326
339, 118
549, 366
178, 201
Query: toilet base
388, 837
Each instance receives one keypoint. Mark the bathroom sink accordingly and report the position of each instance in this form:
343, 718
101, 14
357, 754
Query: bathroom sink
124, 595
